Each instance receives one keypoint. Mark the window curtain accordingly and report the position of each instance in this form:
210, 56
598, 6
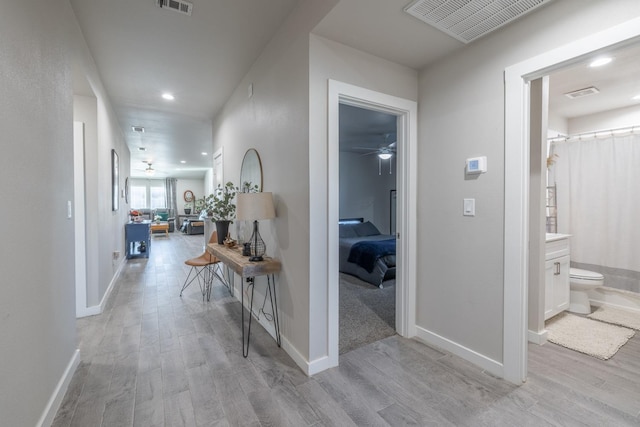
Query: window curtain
170, 192
598, 196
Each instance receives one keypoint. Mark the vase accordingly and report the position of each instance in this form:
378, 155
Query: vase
222, 227
187, 211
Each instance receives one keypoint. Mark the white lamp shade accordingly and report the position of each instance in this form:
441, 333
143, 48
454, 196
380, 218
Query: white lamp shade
254, 206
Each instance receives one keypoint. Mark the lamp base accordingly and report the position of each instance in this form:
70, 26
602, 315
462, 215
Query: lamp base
256, 258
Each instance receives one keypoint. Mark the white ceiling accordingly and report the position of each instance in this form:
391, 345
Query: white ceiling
142, 50
617, 82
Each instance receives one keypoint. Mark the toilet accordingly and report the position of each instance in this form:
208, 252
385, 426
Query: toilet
581, 281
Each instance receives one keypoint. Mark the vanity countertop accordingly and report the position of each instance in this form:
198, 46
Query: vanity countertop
552, 237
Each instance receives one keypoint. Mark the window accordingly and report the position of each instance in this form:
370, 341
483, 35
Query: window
138, 197
157, 197
148, 194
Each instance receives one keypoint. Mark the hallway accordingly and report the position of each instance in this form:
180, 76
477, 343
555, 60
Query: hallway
155, 359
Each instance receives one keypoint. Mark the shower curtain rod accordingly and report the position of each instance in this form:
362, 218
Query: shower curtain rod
596, 133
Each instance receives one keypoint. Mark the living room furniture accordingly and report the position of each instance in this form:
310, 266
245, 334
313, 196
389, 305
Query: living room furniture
138, 239
160, 226
205, 267
194, 226
233, 259
181, 219
166, 214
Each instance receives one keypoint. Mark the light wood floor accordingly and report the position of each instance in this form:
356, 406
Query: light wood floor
155, 359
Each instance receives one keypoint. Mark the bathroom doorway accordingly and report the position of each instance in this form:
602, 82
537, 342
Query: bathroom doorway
517, 262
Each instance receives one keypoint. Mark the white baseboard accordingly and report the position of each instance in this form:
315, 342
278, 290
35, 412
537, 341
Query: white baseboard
490, 365
538, 337
50, 411
98, 309
615, 298
306, 367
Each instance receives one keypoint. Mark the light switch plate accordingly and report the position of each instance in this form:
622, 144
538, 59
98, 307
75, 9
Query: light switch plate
469, 207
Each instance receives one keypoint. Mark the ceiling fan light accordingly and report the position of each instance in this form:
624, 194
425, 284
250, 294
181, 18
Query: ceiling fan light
149, 171
385, 156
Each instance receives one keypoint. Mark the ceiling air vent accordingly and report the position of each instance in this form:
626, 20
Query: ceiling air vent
176, 5
137, 129
467, 20
582, 92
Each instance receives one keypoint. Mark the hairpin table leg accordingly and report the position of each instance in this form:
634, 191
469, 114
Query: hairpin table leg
245, 345
271, 281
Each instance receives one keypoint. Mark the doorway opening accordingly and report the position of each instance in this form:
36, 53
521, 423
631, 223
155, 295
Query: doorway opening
405, 114
368, 146
517, 180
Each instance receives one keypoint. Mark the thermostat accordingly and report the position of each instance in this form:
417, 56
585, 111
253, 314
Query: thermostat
477, 165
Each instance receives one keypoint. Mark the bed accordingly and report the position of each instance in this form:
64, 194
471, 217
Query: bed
365, 253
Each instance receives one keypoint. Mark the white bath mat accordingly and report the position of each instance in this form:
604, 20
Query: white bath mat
617, 316
597, 339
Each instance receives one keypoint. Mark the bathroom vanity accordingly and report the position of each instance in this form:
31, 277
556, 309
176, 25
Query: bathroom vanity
556, 273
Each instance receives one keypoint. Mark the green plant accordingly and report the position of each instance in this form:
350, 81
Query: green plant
188, 205
247, 187
220, 205
200, 204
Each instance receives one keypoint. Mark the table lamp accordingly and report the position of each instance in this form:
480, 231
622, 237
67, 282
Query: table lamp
252, 207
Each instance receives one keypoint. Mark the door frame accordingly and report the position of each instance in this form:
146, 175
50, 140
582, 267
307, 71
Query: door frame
79, 222
406, 177
516, 208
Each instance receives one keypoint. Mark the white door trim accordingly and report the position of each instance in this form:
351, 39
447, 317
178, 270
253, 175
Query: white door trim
406, 111
82, 310
516, 224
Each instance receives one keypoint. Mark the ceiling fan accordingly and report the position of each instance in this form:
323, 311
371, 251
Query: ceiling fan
384, 152
149, 170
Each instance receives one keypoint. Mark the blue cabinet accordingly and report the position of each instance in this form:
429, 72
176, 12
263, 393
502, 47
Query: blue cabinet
138, 239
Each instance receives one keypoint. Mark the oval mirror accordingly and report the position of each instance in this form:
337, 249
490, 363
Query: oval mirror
251, 171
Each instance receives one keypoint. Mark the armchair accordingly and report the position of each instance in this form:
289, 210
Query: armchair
145, 213
166, 214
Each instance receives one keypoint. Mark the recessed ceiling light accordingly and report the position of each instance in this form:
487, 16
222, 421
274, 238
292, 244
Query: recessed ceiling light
168, 96
636, 98
204, 153
183, 161
601, 61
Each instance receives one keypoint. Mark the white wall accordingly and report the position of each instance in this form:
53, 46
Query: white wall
613, 119
274, 121
195, 185
363, 191
40, 42
462, 115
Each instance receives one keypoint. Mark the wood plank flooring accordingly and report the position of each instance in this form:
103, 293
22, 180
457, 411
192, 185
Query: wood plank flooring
155, 359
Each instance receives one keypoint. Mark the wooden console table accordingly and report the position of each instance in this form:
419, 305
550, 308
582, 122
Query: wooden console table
233, 259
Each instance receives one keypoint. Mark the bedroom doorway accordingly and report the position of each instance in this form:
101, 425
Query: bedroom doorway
404, 112
367, 175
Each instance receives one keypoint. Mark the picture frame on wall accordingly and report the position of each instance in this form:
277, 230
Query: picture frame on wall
115, 191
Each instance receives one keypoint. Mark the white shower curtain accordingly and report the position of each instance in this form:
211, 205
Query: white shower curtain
598, 196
